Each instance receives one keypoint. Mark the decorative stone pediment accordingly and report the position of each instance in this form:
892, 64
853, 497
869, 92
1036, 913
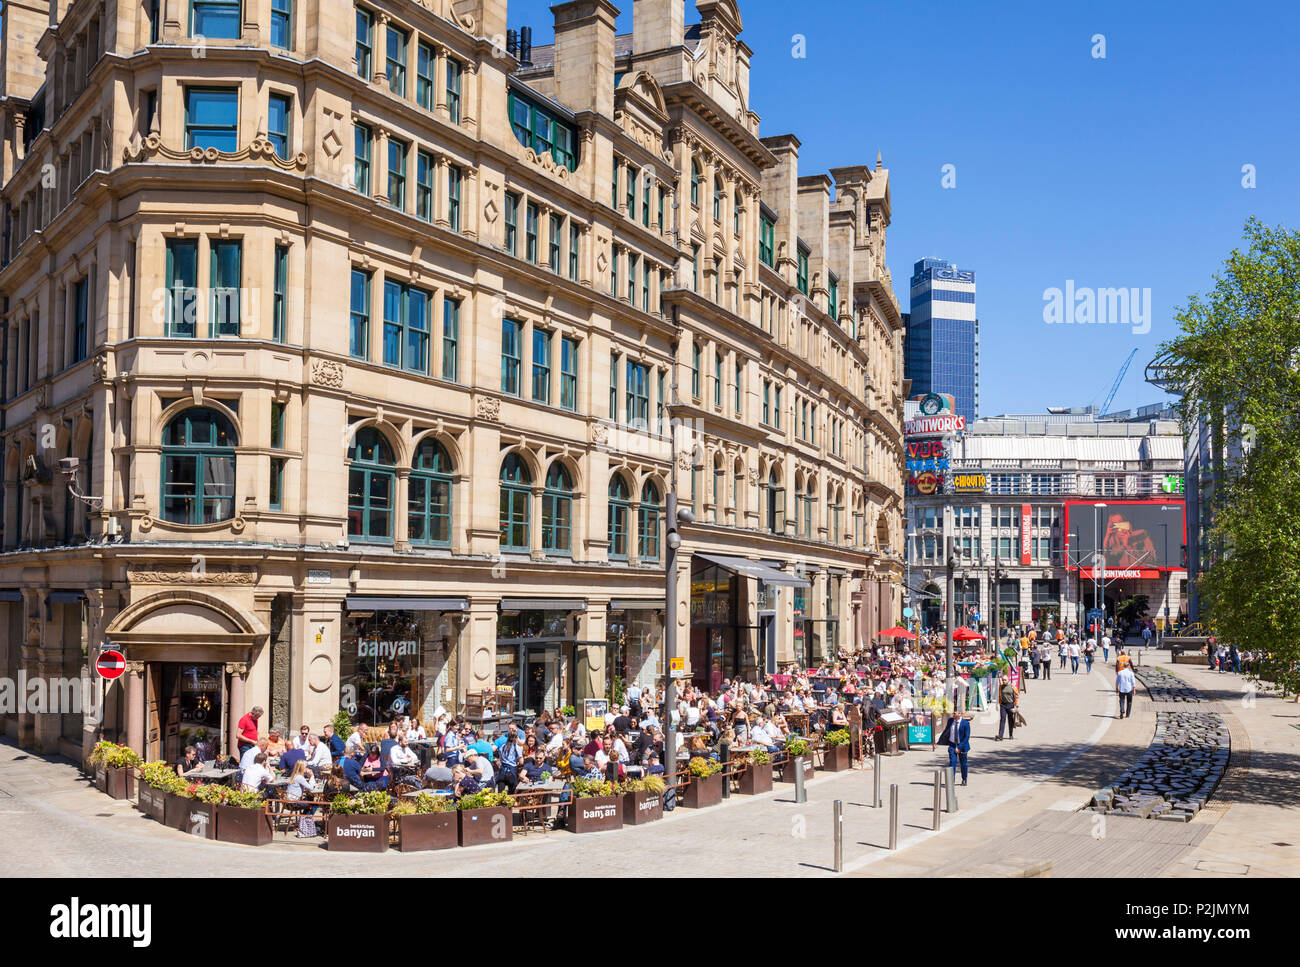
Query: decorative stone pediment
259, 149
198, 574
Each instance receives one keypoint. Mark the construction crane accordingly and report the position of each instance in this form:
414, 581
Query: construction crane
1105, 407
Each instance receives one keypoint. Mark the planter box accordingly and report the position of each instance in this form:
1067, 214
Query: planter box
427, 831
358, 834
596, 814
704, 792
200, 819
642, 807
836, 758
119, 783
756, 779
100, 777
247, 827
152, 802
798, 762
175, 811
492, 825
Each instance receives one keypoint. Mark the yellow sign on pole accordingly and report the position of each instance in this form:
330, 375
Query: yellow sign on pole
677, 667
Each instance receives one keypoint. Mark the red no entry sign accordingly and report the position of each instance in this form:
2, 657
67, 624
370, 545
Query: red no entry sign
111, 664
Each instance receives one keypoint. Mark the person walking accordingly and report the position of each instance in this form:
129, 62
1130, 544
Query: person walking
956, 736
1045, 660
1124, 689
1065, 653
1089, 652
1035, 658
1105, 648
1008, 699
1074, 656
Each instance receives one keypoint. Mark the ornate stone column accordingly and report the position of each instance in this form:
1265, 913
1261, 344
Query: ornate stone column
135, 706
238, 672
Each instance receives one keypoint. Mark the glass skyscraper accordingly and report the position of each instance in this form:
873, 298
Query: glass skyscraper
942, 347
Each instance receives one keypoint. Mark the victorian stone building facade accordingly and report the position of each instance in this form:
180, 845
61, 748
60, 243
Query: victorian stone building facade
368, 330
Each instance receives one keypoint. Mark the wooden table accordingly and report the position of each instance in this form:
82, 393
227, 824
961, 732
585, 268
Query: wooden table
211, 775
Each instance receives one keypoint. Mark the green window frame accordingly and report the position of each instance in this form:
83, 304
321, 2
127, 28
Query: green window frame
212, 118
632, 259
568, 373
541, 365
614, 184
539, 129
777, 408
632, 175
280, 294
362, 144
397, 173
225, 275
740, 372
80, 303
767, 241
613, 386
429, 496
735, 213
646, 191
661, 211
660, 400
455, 71
553, 253
516, 501
276, 483
695, 184
637, 396
695, 269
833, 297
282, 24
359, 321
406, 327
455, 179
372, 484
801, 272
216, 19
557, 511
277, 425
648, 517
573, 251
424, 171
511, 355
619, 509
365, 42
279, 118
426, 63
767, 402
613, 273
512, 222
645, 285
395, 44
696, 353
530, 232
450, 337
717, 199
198, 468
717, 379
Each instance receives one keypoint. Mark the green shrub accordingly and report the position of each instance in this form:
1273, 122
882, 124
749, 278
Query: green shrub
760, 757
113, 756
485, 800
838, 737
702, 768
592, 788
342, 723
362, 804
159, 775
653, 784
423, 804
796, 747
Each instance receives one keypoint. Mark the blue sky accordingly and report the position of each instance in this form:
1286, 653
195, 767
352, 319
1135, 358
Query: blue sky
1116, 172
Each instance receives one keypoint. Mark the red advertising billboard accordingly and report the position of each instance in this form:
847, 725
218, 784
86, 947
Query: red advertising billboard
1141, 536
1025, 531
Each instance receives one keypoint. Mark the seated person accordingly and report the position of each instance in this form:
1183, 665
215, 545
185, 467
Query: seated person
319, 756
462, 782
356, 741
590, 770
246, 760
256, 775
652, 766
390, 740
303, 738
439, 774
479, 767
290, 758
402, 755
333, 740
351, 766
374, 770
623, 722
531, 769
190, 762
204, 747
275, 745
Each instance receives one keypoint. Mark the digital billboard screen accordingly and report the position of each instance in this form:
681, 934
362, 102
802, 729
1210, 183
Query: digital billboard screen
1134, 534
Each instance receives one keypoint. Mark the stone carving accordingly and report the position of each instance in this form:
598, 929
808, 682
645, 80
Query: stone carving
490, 211
753, 476
488, 408
145, 149
599, 433
162, 574
327, 372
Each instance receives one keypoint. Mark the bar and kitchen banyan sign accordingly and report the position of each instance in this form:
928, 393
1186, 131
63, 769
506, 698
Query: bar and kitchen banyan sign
374, 648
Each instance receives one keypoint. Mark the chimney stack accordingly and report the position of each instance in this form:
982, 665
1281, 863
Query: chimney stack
584, 55
512, 43
525, 46
657, 24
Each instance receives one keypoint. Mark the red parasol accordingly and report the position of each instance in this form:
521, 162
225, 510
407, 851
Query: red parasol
965, 634
897, 632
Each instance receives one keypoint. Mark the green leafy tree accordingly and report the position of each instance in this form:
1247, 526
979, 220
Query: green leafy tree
1134, 608
1237, 368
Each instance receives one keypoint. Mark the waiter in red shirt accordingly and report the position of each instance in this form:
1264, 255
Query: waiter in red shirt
248, 729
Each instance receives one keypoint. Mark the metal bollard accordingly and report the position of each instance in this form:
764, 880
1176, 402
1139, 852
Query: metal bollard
724, 756
876, 802
938, 786
839, 835
893, 815
952, 788
800, 793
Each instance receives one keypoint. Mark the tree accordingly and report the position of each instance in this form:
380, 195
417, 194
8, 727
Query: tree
1133, 609
1237, 368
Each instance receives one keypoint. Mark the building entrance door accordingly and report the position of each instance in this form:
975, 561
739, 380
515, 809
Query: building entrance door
190, 707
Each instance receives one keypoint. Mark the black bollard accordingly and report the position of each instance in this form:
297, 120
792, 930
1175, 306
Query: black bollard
724, 756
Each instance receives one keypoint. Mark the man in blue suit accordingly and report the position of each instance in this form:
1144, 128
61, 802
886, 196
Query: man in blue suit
956, 736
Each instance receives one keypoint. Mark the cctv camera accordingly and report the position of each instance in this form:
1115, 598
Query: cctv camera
69, 465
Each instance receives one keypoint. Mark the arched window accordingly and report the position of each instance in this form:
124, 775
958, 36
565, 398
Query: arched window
618, 513
717, 199
695, 184
428, 496
198, 468
557, 511
371, 485
775, 504
515, 499
647, 546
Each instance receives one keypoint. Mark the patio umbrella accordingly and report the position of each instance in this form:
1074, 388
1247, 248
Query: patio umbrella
896, 632
965, 634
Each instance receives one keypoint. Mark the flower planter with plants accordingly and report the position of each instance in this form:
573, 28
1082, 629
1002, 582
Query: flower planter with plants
359, 824
201, 810
242, 818
835, 757
757, 776
643, 800
705, 787
426, 822
486, 817
595, 806
796, 758
115, 767
157, 779
176, 804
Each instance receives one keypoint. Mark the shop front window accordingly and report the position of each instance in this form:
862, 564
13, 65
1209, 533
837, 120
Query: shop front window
395, 663
534, 657
635, 651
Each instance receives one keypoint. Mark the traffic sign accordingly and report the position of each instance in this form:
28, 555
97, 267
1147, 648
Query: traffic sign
110, 665
1096, 614
677, 667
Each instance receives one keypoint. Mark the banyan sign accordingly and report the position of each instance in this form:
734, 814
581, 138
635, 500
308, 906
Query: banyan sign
969, 483
935, 425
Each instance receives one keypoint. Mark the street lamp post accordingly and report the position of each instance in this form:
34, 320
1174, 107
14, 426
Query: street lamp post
673, 516
1162, 563
951, 669
1098, 569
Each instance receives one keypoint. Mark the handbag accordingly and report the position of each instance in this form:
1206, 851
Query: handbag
1020, 720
